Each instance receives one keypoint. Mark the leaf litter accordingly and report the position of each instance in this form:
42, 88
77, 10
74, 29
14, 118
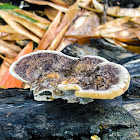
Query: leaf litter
63, 23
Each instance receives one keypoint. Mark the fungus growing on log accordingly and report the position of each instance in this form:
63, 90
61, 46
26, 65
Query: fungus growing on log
53, 75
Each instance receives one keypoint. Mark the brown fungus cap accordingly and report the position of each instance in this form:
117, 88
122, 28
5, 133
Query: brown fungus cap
88, 77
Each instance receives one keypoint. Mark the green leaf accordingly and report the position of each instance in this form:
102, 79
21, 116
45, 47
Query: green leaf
7, 6
25, 17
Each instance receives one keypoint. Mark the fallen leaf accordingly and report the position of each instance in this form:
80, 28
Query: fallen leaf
126, 35
66, 21
98, 5
50, 33
68, 17
129, 12
27, 24
9, 81
39, 21
109, 30
137, 33
41, 2
15, 37
8, 52
10, 46
110, 27
35, 17
63, 3
84, 3
117, 11
135, 20
19, 28
7, 6
7, 29
5, 66
81, 26
3, 69
58, 38
50, 12
132, 48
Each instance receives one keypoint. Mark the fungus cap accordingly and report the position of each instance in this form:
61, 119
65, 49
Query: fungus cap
53, 74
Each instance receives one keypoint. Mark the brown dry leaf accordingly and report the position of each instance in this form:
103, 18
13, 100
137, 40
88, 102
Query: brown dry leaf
7, 29
64, 42
66, 21
112, 11
9, 81
128, 12
63, 3
83, 41
50, 33
27, 24
3, 69
58, 38
137, 33
50, 12
120, 29
18, 27
135, 20
117, 11
42, 25
121, 12
55, 30
41, 2
84, 3
8, 52
98, 5
110, 27
10, 46
40, 21
132, 48
69, 16
15, 37
126, 35
33, 16
82, 26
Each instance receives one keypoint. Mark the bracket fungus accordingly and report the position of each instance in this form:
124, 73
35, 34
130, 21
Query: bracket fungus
53, 75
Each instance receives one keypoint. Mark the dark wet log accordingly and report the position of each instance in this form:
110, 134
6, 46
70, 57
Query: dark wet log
22, 118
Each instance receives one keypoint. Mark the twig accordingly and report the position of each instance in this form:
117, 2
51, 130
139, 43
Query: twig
105, 11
